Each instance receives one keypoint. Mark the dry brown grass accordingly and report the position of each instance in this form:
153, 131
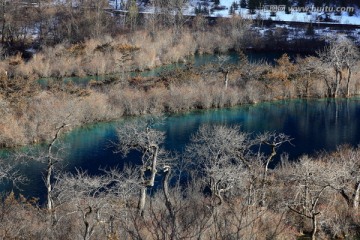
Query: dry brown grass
143, 50
31, 114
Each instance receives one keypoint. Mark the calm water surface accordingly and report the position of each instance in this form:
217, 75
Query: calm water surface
314, 125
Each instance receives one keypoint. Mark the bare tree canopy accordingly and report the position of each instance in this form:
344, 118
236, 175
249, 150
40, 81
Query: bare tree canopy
341, 55
143, 137
226, 157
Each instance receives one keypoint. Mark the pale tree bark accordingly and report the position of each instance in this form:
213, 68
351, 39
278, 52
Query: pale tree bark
311, 213
142, 195
274, 141
225, 68
140, 136
356, 196
94, 201
348, 82
347, 162
338, 80
168, 204
226, 79
340, 55
312, 184
50, 168
148, 183
226, 153
155, 149
3, 20
218, 148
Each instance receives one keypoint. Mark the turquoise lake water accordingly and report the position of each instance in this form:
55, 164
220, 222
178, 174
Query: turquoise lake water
314, 125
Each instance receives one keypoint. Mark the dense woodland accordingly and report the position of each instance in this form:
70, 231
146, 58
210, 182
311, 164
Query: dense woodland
229, 191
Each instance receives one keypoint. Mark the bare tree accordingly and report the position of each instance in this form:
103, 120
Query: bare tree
83, 195
225, 69
346, 161
308, 71
16, 17
341, 54
228, 159
274, 141
217, 150
133, 12
96, 200
351, 60
52, 159
168, 203
51, 156
9, 172
141, 136
169, 13
311, 181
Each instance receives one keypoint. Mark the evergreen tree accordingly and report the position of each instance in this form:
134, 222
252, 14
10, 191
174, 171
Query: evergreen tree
310, 30
232, 9
235, 5
287, 5
344, 3
351, 13
243, 4
252, 5
198, 9
328, 2
301, 3
318, 3
271, 2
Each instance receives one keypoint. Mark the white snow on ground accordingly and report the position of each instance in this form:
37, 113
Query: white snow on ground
282, 16
295, 16
300, 16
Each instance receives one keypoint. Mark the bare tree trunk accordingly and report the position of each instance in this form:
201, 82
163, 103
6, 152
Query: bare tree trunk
226, 80
147, 143
250, 195
50, 169
348, 82
150, 183
218, 195
337, 83
264, 180
346, 197
168, 203
356, 196
89, 229
215, 190
153, 166
314, 226
307, 88
335, 88
142, 200
142, 194
48, 185
3, 5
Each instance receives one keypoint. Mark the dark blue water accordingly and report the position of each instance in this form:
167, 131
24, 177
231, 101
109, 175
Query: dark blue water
314, 125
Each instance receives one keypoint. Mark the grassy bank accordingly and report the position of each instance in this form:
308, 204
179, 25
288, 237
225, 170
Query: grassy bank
31, 112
